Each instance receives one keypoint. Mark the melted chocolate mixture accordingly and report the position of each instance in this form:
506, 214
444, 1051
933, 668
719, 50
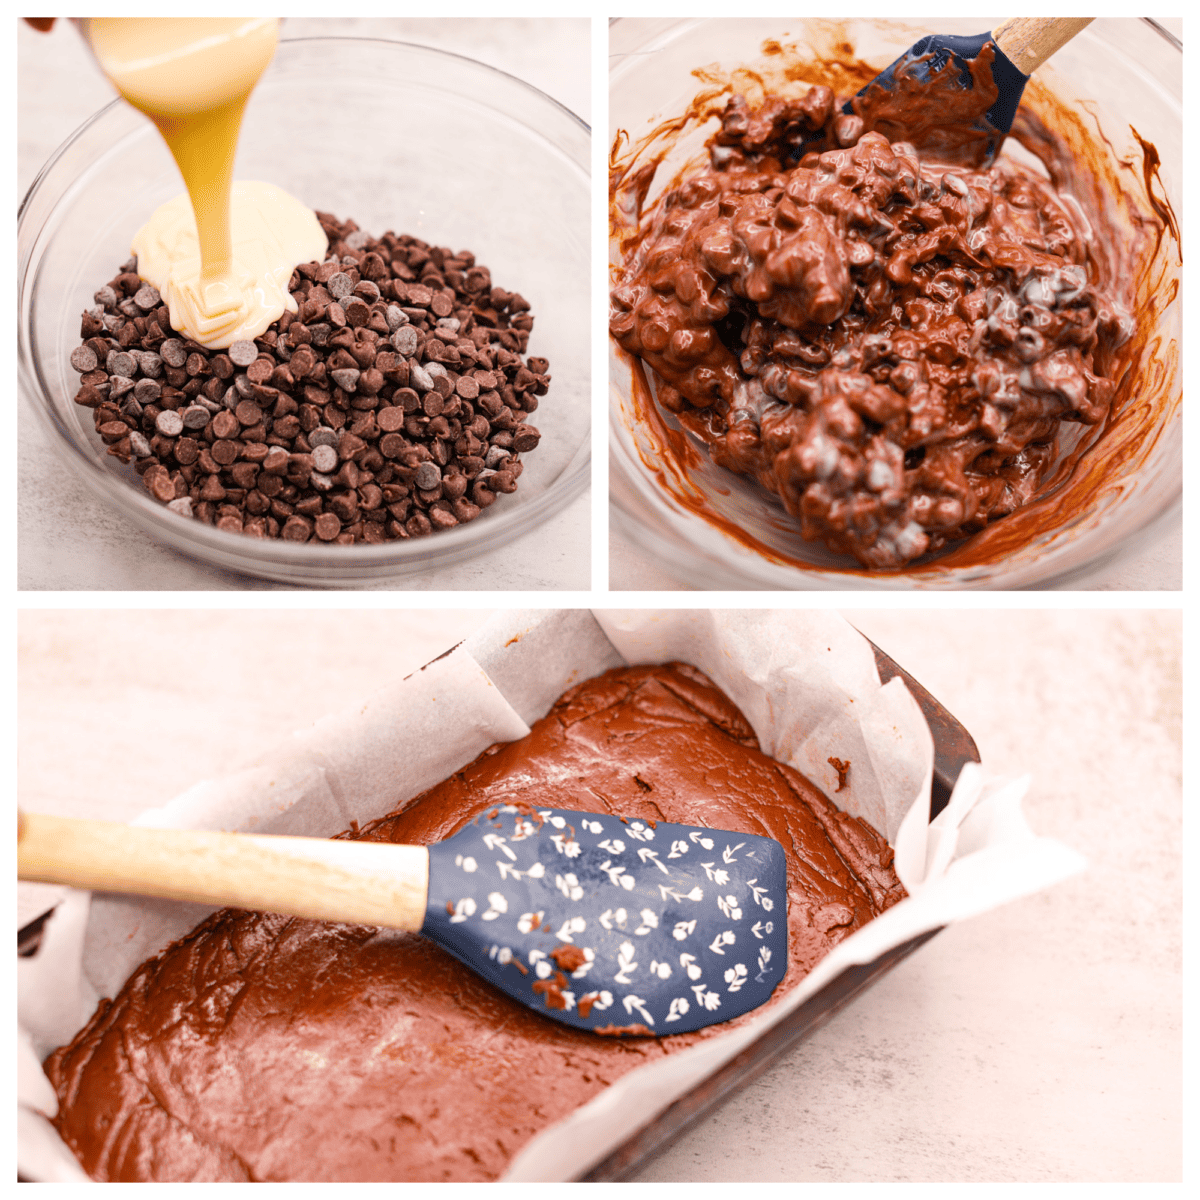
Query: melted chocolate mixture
888, 341
270, 1048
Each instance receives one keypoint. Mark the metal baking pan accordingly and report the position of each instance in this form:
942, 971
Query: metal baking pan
953, 746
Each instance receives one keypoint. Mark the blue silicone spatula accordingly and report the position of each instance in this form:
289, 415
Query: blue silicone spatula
1021, 44
614, 926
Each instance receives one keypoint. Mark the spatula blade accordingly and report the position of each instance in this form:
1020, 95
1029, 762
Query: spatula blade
612, 926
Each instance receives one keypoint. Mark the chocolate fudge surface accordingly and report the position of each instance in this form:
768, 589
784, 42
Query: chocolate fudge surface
263, 1047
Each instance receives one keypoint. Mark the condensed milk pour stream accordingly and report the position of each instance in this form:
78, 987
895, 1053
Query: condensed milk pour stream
221, 256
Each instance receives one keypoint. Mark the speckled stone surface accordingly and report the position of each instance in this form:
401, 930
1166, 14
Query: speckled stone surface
1041, 1042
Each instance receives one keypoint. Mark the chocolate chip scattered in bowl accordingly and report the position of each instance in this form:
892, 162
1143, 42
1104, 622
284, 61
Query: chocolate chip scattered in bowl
391, 405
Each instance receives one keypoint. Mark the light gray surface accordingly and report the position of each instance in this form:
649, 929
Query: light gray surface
69, 540
1040, 1042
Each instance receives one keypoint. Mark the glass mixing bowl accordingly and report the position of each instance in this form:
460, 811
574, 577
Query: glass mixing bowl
397, 137
715, 529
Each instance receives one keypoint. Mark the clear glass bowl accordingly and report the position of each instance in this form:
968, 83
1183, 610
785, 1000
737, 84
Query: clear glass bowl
1128, 73
398, 137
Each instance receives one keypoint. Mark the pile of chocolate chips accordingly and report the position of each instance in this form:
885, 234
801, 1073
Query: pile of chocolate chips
391, 405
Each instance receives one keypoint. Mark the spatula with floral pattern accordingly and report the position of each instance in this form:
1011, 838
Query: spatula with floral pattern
613, 926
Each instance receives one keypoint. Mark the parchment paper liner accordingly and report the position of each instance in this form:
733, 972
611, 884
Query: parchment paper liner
807, 683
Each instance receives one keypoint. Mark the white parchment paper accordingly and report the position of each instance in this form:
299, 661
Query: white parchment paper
807, 683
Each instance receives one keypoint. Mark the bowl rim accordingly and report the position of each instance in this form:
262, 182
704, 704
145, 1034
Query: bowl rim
739, 568
273, 557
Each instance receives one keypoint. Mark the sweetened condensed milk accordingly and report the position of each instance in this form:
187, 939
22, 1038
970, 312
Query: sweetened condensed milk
222, 255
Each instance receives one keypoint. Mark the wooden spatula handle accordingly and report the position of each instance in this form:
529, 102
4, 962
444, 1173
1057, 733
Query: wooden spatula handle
1029, 41
366, 883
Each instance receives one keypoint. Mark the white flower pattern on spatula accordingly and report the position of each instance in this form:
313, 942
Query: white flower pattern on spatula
625, 961
736, 976
637, 1004
764, 957
598, 1000
722, 940
608, 918
716, 874
629, 946
617, 876
569, 886
679, 1008
649, 922
570, 927
527, 922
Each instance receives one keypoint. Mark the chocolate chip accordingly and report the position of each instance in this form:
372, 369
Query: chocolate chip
352, 420
119, 362
248, 413
358, 312
225, 425
83, 359
325, 458
420, 378
168, 423
405, 340
297, 529
428, 476
242, 354
147, 391
327, 526
173, 352
260, 370
525, 438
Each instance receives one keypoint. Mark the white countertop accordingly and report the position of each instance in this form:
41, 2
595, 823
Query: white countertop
70, 540
1039, 1042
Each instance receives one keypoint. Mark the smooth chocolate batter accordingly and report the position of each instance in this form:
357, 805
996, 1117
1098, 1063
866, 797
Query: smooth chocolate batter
262, 1047
888, 341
